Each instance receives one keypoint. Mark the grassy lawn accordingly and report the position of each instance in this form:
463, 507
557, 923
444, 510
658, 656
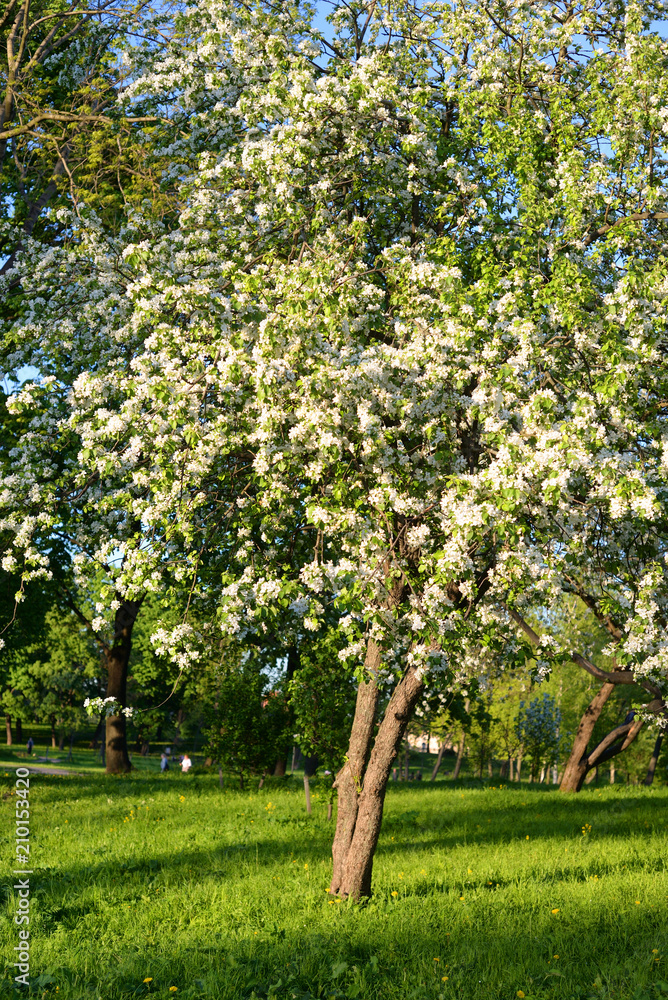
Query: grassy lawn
479, 893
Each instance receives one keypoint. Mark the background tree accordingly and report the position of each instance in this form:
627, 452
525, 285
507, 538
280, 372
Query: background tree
247, 723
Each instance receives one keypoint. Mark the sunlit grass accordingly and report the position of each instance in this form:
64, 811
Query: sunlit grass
142, 885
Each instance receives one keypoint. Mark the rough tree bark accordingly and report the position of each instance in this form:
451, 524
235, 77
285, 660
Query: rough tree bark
8, 725
576, 768
362, 789
614, 743
653, 759
349, 779
116, 659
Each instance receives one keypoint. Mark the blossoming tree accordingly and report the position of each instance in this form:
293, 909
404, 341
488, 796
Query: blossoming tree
404, 354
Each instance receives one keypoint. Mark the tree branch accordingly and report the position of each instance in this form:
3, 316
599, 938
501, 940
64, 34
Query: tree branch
636, 217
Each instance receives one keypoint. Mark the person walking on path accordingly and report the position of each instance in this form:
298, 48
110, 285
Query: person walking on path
31, 744
164, 762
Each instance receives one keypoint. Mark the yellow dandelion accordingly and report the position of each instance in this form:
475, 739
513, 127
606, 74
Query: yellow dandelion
637, 902
149, 979
437, 960
556, 910
444, 979
173, 989
461, 899
521, 994
394, 893
555, 956
527, 837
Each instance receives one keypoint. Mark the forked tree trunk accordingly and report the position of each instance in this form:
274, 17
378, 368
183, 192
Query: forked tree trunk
116, 661
653, 759
362, 790
615, 742
576, 768
349, 779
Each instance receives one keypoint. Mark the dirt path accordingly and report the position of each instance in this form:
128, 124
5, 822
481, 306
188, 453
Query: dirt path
42, 769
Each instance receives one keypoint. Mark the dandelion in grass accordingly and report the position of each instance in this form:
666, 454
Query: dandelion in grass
173, 989
149, 979
556, 910
394, 893
521, 994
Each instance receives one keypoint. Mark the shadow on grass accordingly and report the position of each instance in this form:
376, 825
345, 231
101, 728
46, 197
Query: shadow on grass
373, 953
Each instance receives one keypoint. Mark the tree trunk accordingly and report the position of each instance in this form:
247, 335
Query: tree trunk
614, 743
307, 794
180, 719
354, 879
511, 775
8, 724
439, 761
54, 735
460, 757
116, 662
349, 779
576, 768
280, 766
653, 759
612, 774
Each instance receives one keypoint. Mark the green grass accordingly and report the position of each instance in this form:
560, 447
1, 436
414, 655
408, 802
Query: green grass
84, 761
223, 895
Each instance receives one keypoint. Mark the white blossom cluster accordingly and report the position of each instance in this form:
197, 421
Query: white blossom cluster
401, 341
107, 706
